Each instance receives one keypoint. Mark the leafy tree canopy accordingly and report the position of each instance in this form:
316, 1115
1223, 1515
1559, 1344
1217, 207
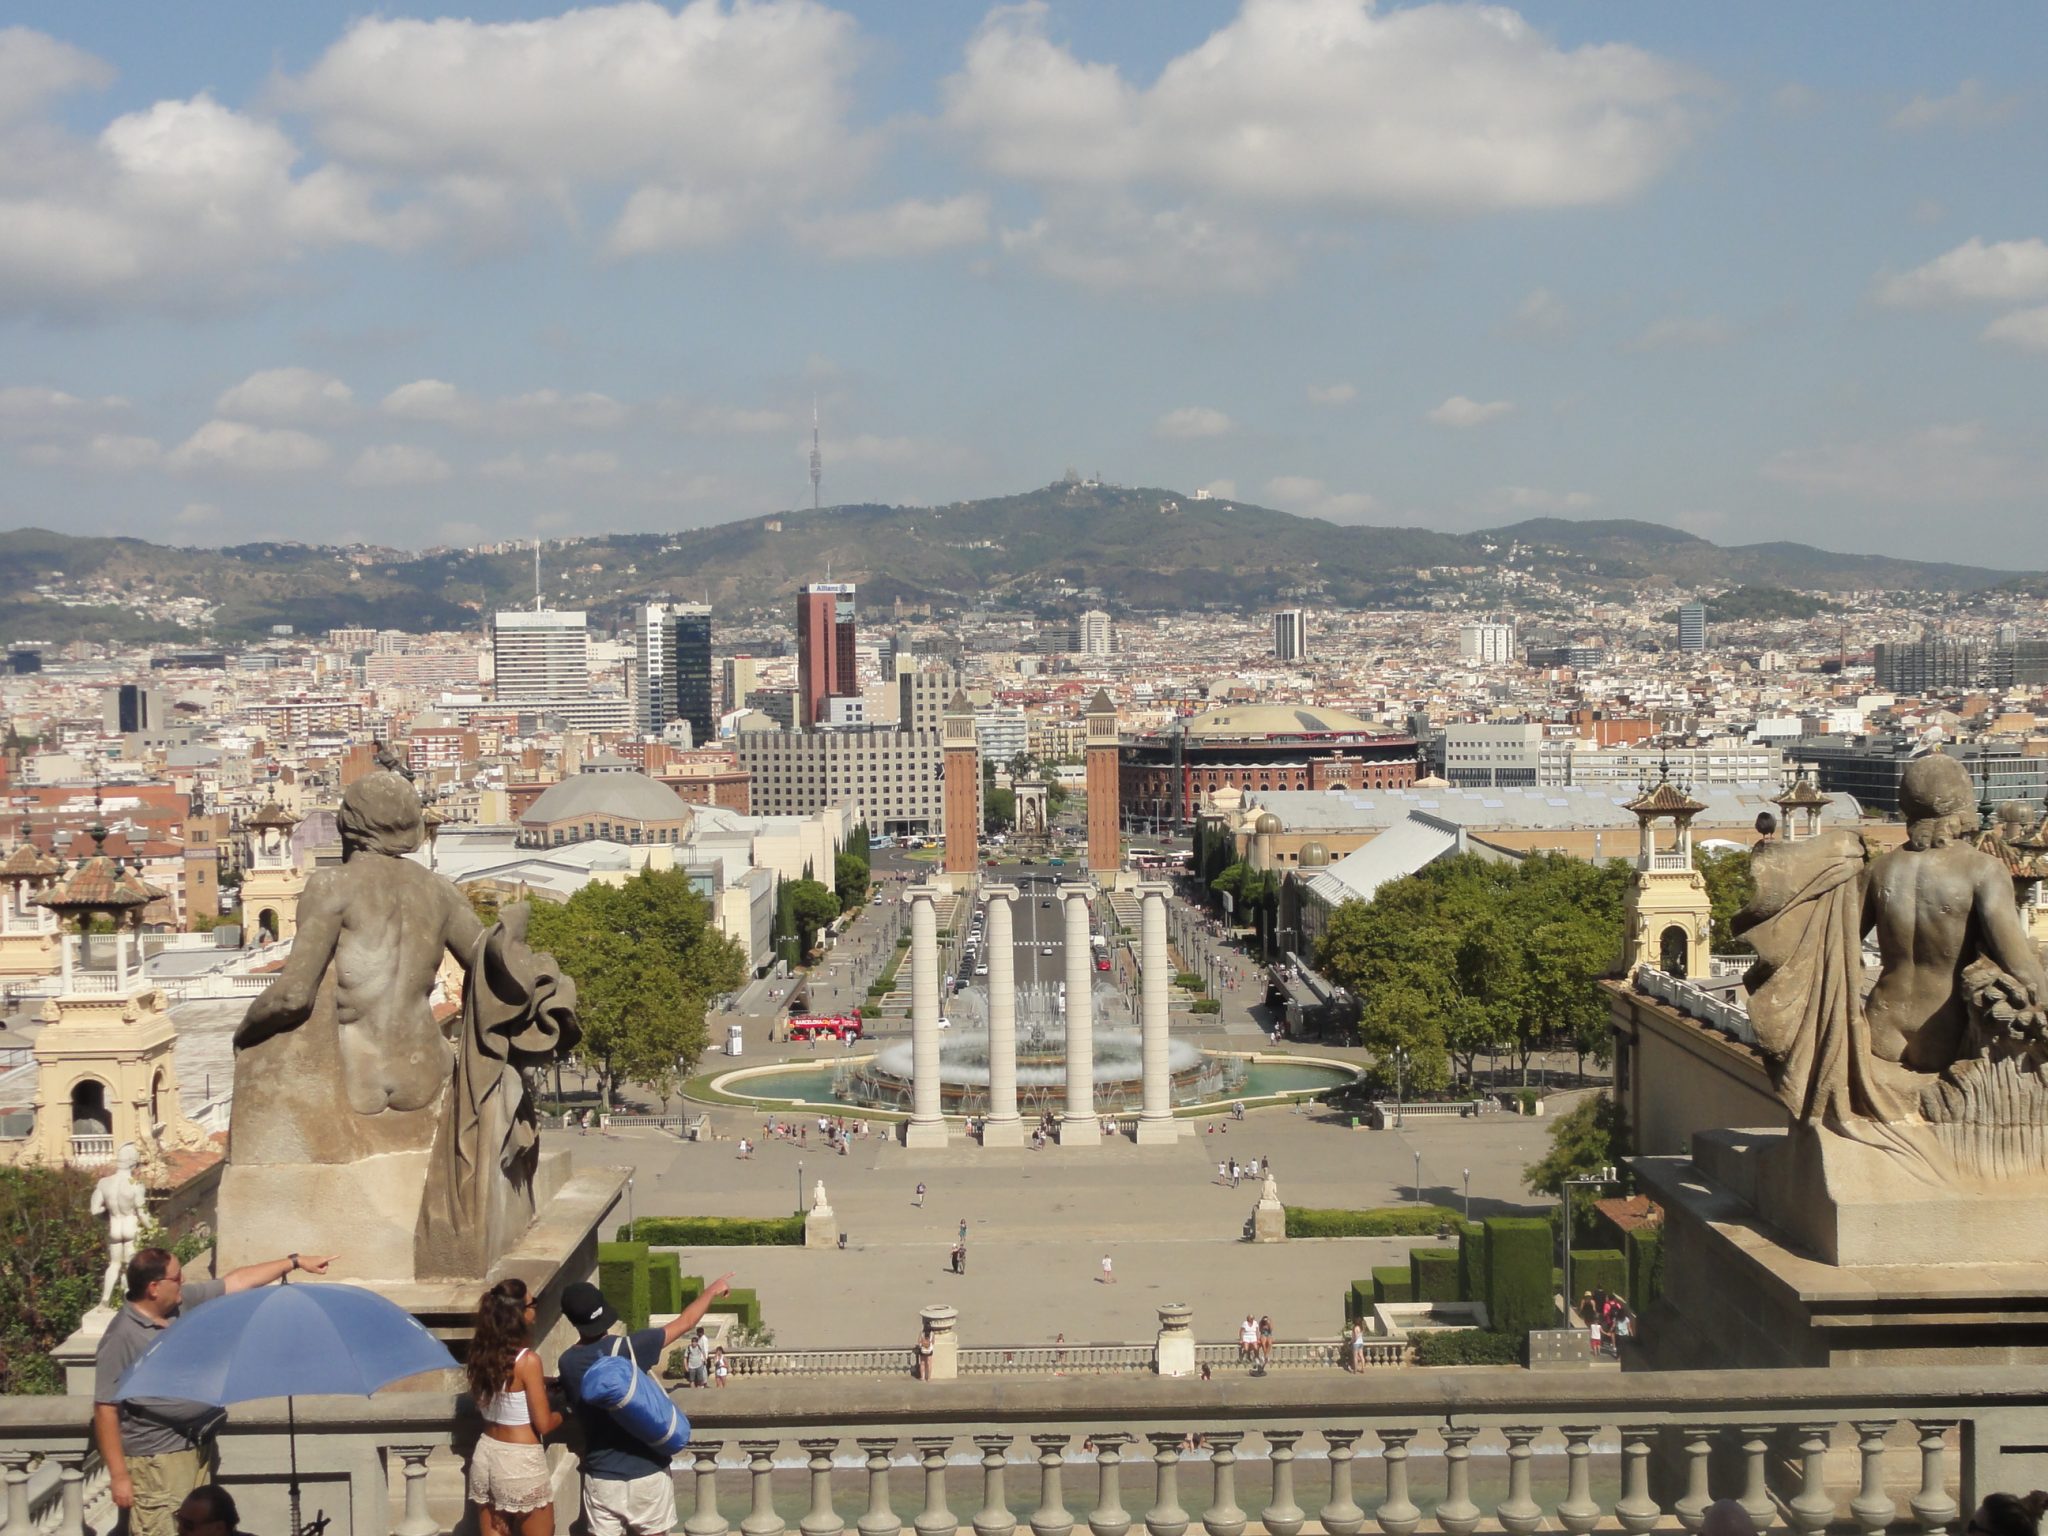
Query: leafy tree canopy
1730, 885
850, 880
55, 1258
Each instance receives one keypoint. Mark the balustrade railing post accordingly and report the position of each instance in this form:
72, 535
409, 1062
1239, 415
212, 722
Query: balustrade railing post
71, 1477
1166, 1517
415, 1521
821, 1519
1932, 1506
880, 1519
1109, 1517
705, 1520
936, 1518
1282, 1517
994, 1517
1519, 1514
1224, 1518
16, 1463
1397, 1513
1873, 1508
1756, 1492
1342, 1516
1810, 1510
1691, 1508
761, 1519
1635, 1509
1051, 1518
1578, 1513
1457, 1515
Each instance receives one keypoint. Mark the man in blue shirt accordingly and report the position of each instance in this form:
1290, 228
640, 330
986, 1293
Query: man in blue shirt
627, 1488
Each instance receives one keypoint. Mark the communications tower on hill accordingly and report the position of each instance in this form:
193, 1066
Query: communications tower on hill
817, 460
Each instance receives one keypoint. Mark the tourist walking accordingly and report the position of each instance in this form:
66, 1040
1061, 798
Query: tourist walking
158, 1449
508, 1470
1108, 1271
627, 1487
919, 1201
697, 1360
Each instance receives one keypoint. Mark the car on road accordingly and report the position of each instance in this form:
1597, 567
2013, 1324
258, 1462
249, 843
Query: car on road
1045, 901
1027, 861
1102, 962
981, 969
1045, 949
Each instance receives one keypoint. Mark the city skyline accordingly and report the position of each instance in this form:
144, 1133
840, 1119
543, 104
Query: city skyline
1753, 275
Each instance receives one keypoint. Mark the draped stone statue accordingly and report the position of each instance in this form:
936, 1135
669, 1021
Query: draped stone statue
351, 1096
1941, 1060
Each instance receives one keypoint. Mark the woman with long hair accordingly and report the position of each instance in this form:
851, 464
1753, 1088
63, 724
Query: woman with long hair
508, 1472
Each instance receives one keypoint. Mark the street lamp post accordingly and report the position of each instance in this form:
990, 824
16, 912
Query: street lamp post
799, 1184
1591, 1181
1415, 1186
1468, 1197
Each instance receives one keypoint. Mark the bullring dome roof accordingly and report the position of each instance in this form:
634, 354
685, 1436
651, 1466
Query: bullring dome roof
622, 796
1274, 720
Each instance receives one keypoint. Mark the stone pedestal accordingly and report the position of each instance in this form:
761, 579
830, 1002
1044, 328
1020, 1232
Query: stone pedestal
1927, 1274
78, 1355
1173, 1352
1269, 1222
940, 1326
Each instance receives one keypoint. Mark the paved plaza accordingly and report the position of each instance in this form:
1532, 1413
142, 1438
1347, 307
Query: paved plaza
1039, 1223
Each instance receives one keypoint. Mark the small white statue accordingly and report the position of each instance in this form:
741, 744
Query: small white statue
1270, 1194
818, 1200
124, 1202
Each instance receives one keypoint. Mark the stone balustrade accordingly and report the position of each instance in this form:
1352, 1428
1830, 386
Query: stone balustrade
1868, 1450
1696, 1002
1053, 1359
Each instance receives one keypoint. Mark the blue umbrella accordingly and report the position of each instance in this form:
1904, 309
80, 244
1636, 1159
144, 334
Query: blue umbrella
286, 1341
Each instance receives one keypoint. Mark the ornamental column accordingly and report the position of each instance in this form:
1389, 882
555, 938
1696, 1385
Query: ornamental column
1004, 1127
927, 1127
1078, 1128
1156, 1125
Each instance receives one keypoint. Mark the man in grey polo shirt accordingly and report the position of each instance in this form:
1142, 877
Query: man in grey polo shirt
158, 1449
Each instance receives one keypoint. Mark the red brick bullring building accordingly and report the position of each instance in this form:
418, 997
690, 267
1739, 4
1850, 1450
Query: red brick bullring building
1253, 747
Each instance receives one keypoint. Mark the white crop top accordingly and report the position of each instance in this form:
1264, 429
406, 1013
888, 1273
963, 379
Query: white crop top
508, 1407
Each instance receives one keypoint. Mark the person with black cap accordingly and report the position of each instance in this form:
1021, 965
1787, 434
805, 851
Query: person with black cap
627, 1488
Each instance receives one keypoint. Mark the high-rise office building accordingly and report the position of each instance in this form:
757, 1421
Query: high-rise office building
742, 677
1692, 627
1487, 644
541, 655
1290, 634
1097, 633
824, 648
672, 668
132, 710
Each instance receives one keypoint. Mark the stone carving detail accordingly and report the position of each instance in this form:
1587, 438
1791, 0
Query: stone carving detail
1943, 1060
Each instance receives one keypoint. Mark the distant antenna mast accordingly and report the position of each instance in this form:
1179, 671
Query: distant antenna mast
536, 575
817, 460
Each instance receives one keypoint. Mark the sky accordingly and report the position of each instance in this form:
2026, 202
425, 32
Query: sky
423, 277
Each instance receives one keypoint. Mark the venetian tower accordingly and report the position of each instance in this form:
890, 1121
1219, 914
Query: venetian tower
1670, 920
1105, 847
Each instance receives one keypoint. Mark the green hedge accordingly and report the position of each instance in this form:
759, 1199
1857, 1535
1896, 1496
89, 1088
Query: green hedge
1598, 1269
1390, 1283
1518, 1283
1432, 1274
1357, 1301
1206, 1005
1382, 1221
664, 1284
745, 1305
1468, 1346
623, 1276
1471, 1261
717, 1231
1191, 980
1645, 1249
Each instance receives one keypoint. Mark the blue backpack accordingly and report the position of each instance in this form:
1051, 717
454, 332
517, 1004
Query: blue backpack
635, 1400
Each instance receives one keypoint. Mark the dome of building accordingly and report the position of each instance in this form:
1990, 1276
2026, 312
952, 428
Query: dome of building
620, 796
1314, 856
1267, 822
1231, 720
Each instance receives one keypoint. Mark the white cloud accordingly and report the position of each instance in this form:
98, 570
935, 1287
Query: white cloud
1681, 332
181, 205
1794, 98
714, 115
1461, 412
287, 394
114, 452
913, 227
1332, 394
36, 69
1332, 103
1191, 421
551, 466
196, 514
237, 448
2007, 271
37, 410
541, 410
2026, 329
1542, 313
1530, 498
723, 420
1110, 245
396, 464
1968, 106
1312, 498
875, 448
1936, 466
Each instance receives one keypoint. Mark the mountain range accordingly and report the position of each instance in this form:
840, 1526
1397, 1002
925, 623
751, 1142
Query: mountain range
1053, 550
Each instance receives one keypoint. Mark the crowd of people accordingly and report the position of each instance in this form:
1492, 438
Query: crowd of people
1609, 1322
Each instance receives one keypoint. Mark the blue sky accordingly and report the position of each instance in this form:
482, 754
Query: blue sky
1757, 271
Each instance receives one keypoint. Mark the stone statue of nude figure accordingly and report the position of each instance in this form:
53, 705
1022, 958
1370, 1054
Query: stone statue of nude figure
341, 1057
